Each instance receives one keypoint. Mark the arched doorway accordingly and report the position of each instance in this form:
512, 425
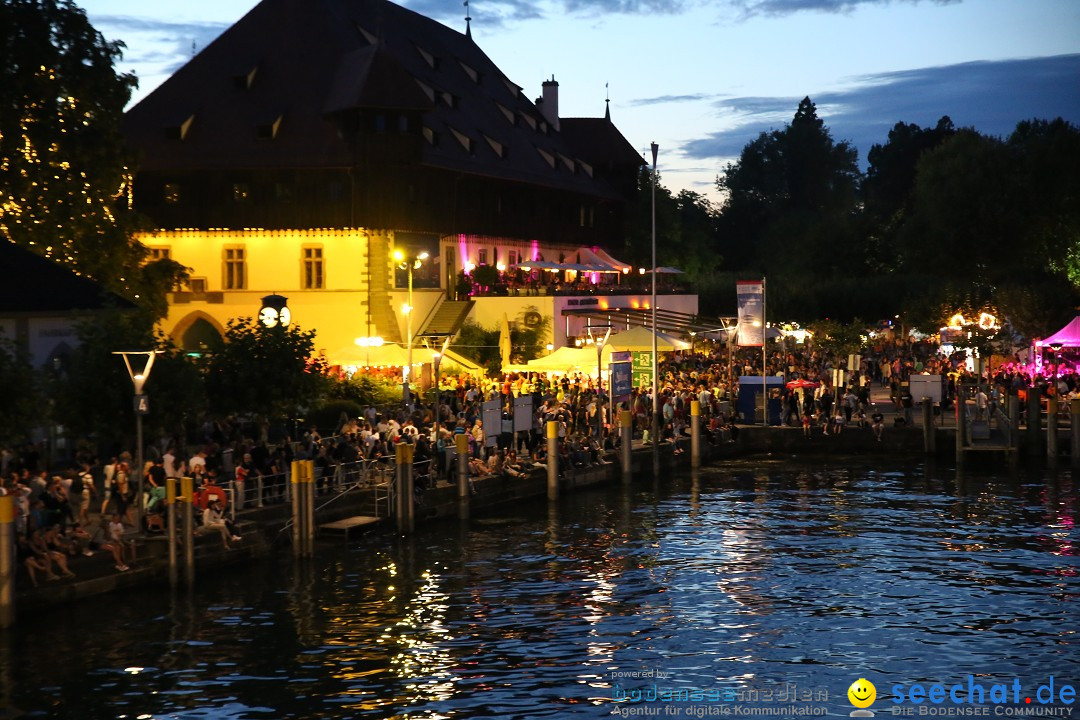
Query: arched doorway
199, 333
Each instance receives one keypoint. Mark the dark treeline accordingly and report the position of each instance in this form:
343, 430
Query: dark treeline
943, 219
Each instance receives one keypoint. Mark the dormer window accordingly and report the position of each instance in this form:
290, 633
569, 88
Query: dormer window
244, 80
431, 60
529, 120
465, 140
180, 130
569, 163
473, 75
427, 89
365, 34
548, 157
431, 136
449, 99
268, 130
497, 146
508, 113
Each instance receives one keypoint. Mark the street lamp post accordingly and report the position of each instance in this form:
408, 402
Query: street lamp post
655, 364
599, 386
436, 360
142, 407
408, 263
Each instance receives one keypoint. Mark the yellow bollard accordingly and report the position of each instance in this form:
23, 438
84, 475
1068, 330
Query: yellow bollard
404, 457
297, 506
462, 442
626, 427
309, 507
7, 561
553, 459
187, 496
170, 515
695, 434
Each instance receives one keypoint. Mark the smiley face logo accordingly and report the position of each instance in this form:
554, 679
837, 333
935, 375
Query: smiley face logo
862, 693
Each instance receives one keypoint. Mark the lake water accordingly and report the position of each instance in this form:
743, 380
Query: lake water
764, 586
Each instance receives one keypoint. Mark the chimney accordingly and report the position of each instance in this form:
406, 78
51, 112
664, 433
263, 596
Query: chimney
549, 104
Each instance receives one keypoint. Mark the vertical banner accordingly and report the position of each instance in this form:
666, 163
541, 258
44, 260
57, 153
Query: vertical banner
641, 368
621, 375
751, 299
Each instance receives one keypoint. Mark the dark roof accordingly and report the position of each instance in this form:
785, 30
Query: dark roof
600, 142
295, 62
36, 285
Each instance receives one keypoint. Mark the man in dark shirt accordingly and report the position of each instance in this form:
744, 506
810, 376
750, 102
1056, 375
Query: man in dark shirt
877, 423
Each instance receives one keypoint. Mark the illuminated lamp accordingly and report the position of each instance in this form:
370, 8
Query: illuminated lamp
275, 311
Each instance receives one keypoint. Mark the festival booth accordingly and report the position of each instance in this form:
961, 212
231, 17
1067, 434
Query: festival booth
748, 403
1063, 344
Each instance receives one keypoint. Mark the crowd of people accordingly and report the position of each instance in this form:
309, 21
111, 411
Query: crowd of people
89, 508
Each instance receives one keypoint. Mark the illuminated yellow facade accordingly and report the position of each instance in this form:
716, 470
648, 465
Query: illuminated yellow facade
338, 282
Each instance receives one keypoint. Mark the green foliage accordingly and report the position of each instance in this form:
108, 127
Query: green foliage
486, 276
527, 342
65, 176
789, 207
364, 390
479, 345
21, 402
837, 338
92, 394
268, 372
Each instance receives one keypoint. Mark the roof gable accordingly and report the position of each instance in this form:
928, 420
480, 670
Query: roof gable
320, 57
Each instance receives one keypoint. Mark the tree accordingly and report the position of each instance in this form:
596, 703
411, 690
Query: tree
638, 232
789, 204
996, 223
266, 371
65, 179
838, 339
21, 401
92, 393
889, 184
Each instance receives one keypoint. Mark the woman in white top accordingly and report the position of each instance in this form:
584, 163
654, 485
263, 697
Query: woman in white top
214, 517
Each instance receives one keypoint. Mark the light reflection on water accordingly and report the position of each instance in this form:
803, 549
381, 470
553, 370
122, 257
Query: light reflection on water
749, 576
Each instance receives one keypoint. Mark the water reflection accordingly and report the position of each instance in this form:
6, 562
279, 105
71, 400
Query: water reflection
747, 577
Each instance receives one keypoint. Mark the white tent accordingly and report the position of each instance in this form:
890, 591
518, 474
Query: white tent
387, 355
599, 261
640, 338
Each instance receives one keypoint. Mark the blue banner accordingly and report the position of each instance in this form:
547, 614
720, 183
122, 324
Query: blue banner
751, 297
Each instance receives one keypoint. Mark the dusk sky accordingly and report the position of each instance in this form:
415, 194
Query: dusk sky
703, 78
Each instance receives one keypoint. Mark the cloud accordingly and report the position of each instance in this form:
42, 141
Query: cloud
664, 99
172, 40
494, 14
990, 96
626, 7
776, 8
497, 13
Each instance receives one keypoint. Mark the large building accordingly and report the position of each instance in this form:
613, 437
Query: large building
297, 152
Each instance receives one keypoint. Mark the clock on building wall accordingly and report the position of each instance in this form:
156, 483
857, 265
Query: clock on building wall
275, 311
